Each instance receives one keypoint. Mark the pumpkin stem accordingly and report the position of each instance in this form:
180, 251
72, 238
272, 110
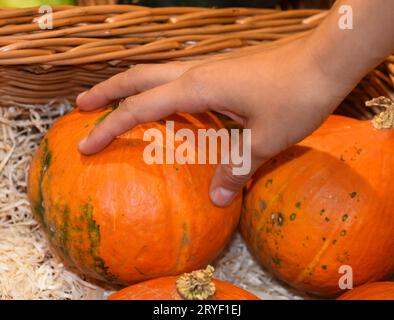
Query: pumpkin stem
196, 285
385, 119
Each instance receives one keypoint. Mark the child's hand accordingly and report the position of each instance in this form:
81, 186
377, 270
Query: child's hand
280, 94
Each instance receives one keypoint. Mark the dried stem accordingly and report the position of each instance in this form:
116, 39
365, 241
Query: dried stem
196, 285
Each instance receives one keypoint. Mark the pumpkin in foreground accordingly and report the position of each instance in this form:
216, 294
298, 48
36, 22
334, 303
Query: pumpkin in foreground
197, 285
118, 219
371, 291
326, 205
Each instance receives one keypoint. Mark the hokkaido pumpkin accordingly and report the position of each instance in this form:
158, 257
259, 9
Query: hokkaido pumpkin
371, 291
115, 217
197, 285
326, 205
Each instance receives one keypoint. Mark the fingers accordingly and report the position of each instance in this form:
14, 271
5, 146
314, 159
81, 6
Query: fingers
225, 185
135, 80
229, 179
151, 105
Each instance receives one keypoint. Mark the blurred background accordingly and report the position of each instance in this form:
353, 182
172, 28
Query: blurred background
283, 4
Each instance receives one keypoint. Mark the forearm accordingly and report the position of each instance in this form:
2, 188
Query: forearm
347, 55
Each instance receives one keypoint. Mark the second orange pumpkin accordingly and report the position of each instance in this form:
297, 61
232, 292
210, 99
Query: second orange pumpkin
325, 206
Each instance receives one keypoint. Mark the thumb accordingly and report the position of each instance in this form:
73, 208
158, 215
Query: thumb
229, 179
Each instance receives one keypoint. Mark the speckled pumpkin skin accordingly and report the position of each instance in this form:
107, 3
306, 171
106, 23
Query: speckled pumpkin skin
371, 291
324, 203
118, 219
165, 289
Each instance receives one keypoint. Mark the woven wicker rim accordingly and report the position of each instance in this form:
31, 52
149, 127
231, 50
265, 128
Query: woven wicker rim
83, 35
90, 44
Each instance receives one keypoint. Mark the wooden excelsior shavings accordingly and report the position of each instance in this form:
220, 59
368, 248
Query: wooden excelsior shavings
385, 119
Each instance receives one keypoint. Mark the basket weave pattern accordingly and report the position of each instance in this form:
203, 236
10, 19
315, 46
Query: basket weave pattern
89, 44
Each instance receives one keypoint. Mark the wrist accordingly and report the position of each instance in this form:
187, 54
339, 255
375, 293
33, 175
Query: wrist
347, 55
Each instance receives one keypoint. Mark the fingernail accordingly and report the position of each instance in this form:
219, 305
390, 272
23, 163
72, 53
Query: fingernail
82, 143
222, 197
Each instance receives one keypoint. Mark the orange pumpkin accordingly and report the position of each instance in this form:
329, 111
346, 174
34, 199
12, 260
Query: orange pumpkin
371, 291
119, 219
197, 285
325, 203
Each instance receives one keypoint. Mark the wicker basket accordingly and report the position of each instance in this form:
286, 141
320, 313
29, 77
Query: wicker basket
89, 44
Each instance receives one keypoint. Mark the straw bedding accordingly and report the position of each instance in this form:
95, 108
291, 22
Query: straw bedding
28, 269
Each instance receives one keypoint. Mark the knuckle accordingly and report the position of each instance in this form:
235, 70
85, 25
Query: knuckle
234, 182
192, 77
139, 68
125, 80
128, 107
198, 75
197, 81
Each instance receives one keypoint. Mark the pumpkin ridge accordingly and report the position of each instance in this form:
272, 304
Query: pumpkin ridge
184, 248
94, 239
46, 159
317, 257
134, 220
64, 232
171, 201
314, 262
262, 222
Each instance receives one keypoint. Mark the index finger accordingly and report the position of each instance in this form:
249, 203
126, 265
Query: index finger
133, 81
151, 105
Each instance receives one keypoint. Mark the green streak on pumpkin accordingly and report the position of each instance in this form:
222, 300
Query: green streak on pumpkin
46, 159
61, 234
185, 235
268, 183
112, 107
101, 119
65, 228
276, 261
94, 238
